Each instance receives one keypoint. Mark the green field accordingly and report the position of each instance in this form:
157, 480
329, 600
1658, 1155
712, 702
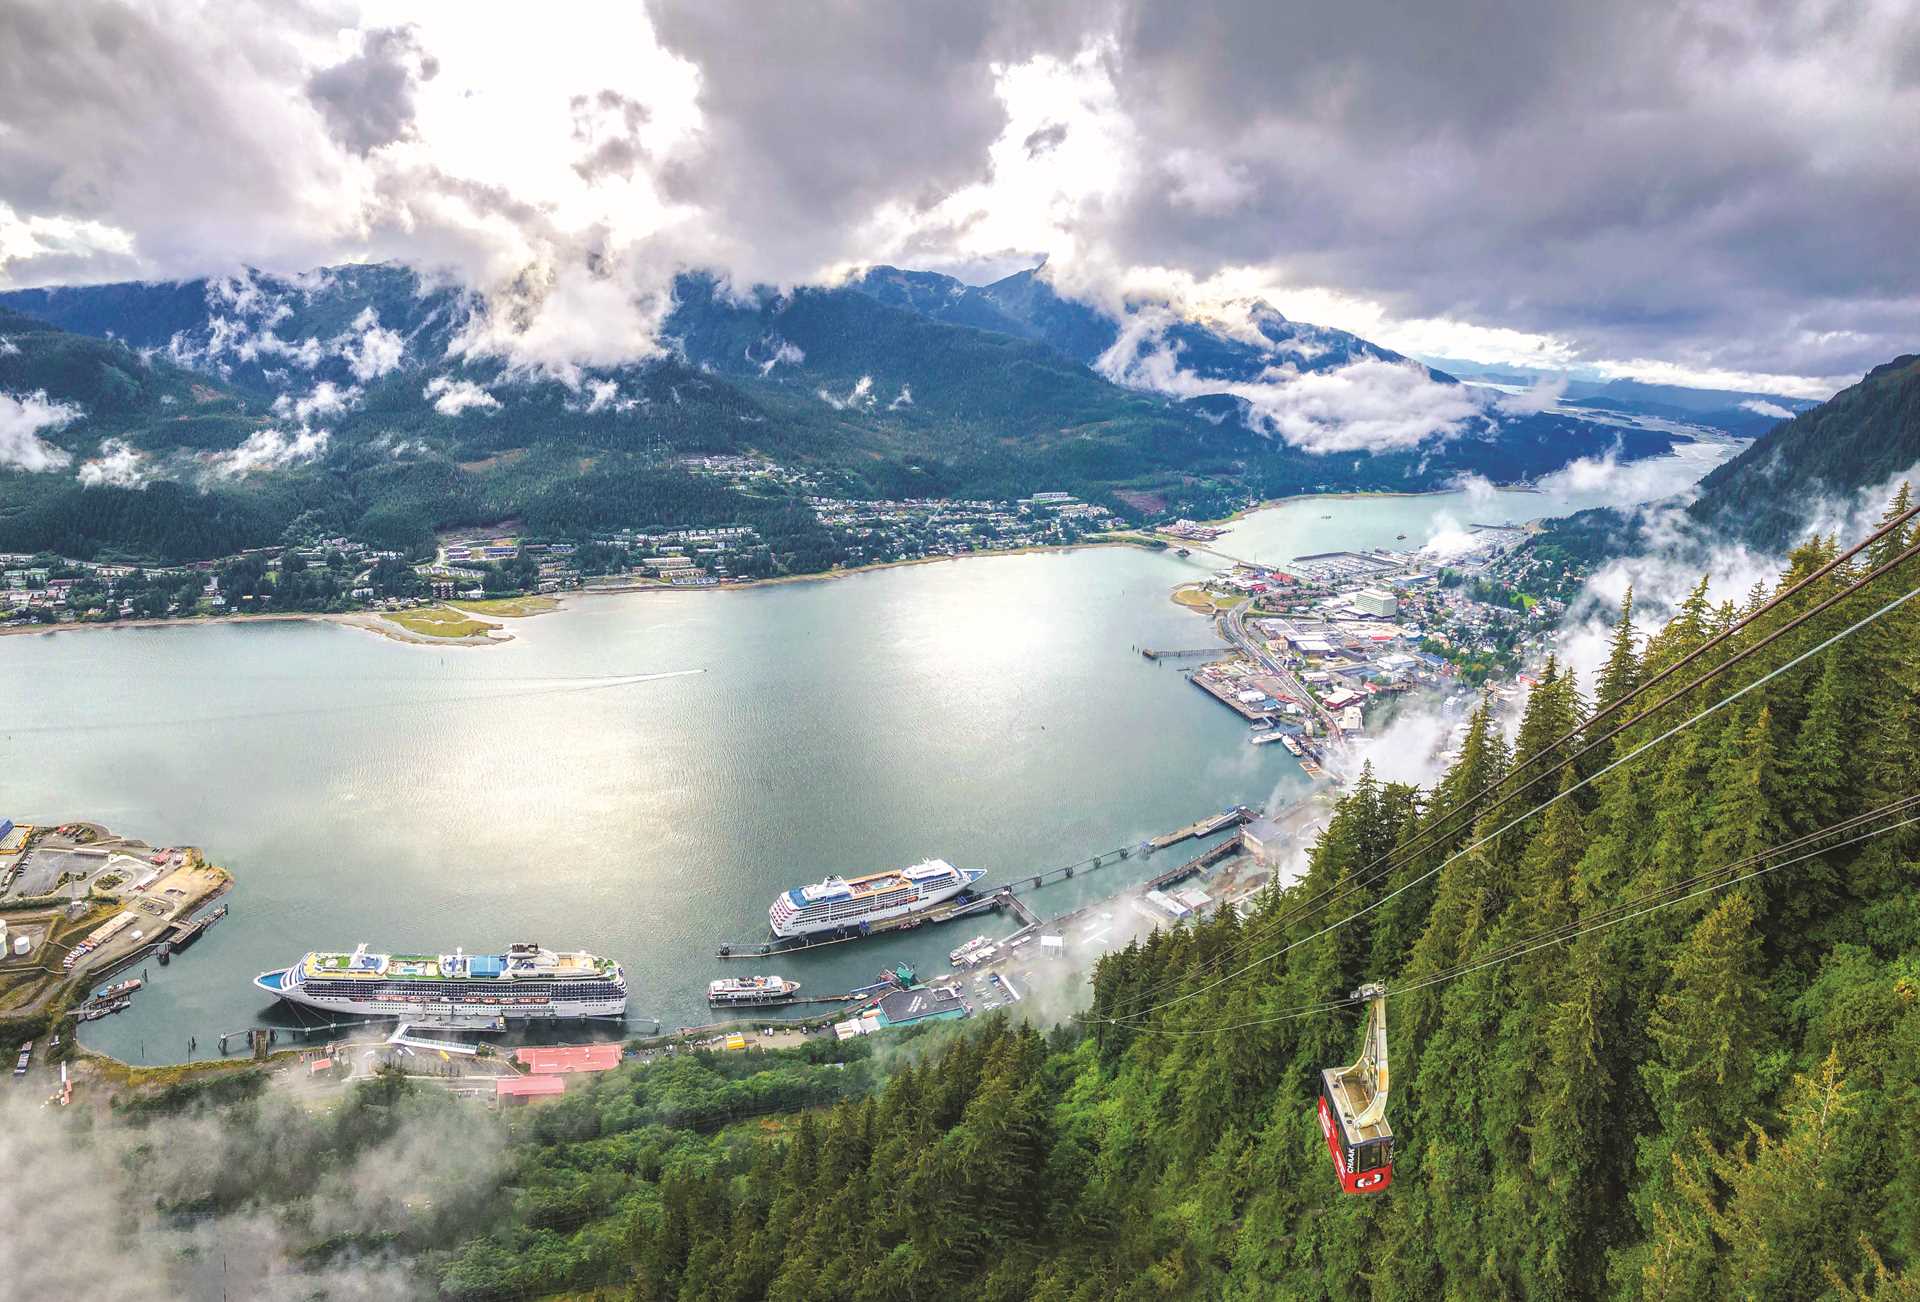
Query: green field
441, 622
510, 607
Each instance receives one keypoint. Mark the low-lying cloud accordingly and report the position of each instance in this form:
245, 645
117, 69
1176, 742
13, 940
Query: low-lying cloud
326, 399
264, 1237
23, 418
269, 449
1543, 396
118, 465
858, 398
1647, 480
1366, 406
371, 351
782, 352
450, 397
1771, 410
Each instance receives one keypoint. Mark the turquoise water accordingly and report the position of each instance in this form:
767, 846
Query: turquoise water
992, 712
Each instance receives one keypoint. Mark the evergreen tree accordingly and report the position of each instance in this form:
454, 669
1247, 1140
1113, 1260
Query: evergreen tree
1710, 1028
1621, 673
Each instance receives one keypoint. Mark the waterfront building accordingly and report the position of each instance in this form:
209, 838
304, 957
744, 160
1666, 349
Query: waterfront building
1374, 601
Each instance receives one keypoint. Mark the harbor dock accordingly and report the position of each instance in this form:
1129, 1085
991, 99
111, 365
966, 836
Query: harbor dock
1198, 864
1204, 828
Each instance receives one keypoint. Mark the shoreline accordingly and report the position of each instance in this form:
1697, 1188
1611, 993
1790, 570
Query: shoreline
371, 621
375, 622
875, 567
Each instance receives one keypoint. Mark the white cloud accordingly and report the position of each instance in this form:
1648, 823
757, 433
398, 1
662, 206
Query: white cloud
791, 354
604, 395
1408, 749
1852, 516
1648, 480
1450, 537
8, 348
1655, 371
370, 350
858, 398
22, 419
327, 399
1673, 558
904, 399
566, 169
118, 465
1367, 406
269, 449
1773, 410
451, 396
1543, 396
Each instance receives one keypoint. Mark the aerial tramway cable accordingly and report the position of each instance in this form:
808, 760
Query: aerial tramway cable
1626, 911
1508, 826
1399, 855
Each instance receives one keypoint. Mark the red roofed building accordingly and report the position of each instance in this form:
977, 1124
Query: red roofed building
521, 1088
552, 1060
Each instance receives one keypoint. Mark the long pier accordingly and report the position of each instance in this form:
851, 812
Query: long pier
1239, 814
1209, 652
1198, 864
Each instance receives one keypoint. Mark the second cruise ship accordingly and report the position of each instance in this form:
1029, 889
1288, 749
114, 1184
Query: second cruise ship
844, 903
527, 982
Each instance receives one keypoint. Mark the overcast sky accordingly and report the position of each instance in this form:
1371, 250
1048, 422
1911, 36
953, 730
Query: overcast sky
1722, 193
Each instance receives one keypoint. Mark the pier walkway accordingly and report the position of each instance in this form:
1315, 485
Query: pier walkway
1020, 909
1198, 864
1204, 828
403, 1035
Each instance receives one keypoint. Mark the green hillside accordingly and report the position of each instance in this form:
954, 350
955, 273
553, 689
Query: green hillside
1653, 1025
334, 404
1716, 1098
1801, 471
1860, 437
151, 403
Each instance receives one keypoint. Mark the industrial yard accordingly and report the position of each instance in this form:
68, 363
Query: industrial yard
1319, 648
78, 902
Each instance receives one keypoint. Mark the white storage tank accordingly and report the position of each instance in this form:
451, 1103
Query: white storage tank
21, 944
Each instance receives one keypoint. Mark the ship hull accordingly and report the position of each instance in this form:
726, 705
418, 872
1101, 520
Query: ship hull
428, 1005
932, 899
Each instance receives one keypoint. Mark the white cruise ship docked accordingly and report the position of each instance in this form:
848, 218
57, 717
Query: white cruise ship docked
525, 983
842, 902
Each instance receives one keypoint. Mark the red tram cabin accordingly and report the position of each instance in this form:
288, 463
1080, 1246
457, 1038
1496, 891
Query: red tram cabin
1353, 1107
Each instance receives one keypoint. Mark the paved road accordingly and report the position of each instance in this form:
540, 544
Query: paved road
1233, 624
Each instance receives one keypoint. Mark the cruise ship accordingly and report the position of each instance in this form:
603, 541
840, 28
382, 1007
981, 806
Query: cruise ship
525, 983
751, 990
844, 903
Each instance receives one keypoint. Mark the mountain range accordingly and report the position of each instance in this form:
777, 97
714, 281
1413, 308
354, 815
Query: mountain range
373, 401
1831, 464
